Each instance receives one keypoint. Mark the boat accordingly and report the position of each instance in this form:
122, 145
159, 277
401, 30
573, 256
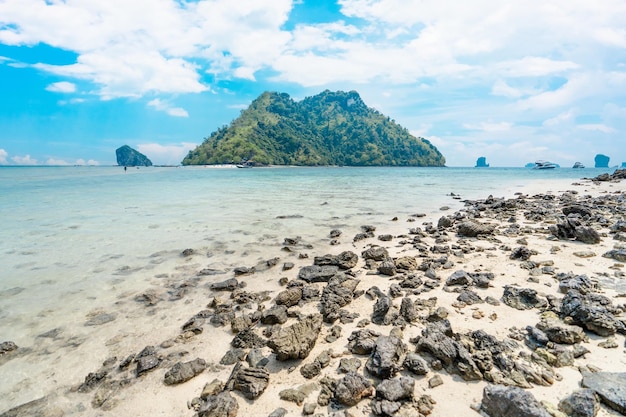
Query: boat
578, 165
245, 164
544, 165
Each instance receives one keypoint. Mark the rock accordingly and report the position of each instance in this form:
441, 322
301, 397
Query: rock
522, 253
6, 347
40, 407
437, 344
473, 229
129, 157
316, 273
400, 388
580, 403
376, 253
522, 298
92, 380
100, 318
182, 372
459, 277
590, 311
289, 297
559, 332
247, 339
415, 364
347, 365
408, 311
617, 254
309, 409
571, 229
212, 388
345, 260
435, 381
582, 283
406, 263
220, 405
501, 401
251, 382
381, 308
610, 387
275, 315
387, 268
384, 361
601, 161
229, 285
338, 293
362, 342
470, 297
279, 412
352, 388
232, 356
146, 364
297, 340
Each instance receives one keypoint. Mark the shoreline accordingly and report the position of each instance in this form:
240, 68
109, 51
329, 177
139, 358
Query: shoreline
121, 392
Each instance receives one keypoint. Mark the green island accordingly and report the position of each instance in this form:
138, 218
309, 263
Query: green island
331, 128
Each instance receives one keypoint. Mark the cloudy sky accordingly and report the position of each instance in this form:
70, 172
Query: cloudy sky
511, 80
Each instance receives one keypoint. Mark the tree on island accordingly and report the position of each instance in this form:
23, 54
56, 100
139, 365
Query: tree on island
331, 128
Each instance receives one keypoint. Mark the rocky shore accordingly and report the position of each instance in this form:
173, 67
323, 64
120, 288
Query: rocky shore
508, 307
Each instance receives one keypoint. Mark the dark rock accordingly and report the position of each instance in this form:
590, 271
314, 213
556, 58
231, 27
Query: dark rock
408, 311
522, 298
362, 342
387, 267
229, 285
522, 253
473, 229
444, 222
247, 339
345, 260
406, 263
289, 297
590, 311
414, 363
220, 405
297, 340
92, 380
617, 254
501, 401
580, 403
275, 315
571, 229
437, 344
376, 253
338, 293
582, 283
349, 365
146, 364
279, 412
129, 157
610, 387
232, 356
459, 277
251, 381
352, 388
316, 273
384, 361
182, 372
311, 370
400, 388
243, 270
470, 297
6, 347
559, 332
256, 359
382, 306
577, 209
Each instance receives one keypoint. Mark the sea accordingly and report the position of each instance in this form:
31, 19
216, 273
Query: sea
77, 241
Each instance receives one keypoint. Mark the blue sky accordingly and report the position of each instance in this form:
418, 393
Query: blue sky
510, 80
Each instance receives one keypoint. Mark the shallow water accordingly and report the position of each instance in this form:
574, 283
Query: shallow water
75, 241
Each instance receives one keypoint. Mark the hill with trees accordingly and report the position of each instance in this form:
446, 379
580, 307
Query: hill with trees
331, 128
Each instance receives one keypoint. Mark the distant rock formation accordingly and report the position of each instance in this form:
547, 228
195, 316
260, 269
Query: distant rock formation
623, 164
128, 157
482, 162
602, 161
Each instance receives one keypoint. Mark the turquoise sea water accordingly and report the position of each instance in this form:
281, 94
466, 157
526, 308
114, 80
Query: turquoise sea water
74, 239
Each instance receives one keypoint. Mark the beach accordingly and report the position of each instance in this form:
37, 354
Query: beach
415, 282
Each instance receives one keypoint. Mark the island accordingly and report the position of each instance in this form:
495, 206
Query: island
331, 128
482, 162
129, 157
602, 161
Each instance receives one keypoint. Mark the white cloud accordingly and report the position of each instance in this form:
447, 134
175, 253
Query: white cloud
559, 119
57, 162
62, 87
599, 127
166, 154
3, 156
161, 105
489, 126
24, 160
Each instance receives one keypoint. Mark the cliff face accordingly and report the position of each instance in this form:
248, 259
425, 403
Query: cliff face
602, 161
129, 157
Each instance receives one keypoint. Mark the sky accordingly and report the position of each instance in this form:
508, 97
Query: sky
513, 81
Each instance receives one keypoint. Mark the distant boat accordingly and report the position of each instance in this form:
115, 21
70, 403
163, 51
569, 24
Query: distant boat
544, 165
578, 165
245, 164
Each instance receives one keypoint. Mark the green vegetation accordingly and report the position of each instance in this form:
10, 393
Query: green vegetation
331, 128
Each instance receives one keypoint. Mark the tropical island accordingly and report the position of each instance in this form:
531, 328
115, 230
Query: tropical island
331, 128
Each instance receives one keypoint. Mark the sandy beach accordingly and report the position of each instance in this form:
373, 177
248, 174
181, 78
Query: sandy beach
297, 320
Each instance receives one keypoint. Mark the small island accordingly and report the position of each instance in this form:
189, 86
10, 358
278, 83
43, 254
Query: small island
331, 128
602, 161
481, 163
129, 157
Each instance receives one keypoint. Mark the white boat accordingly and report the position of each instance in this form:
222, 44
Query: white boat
544, 165
578, 165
